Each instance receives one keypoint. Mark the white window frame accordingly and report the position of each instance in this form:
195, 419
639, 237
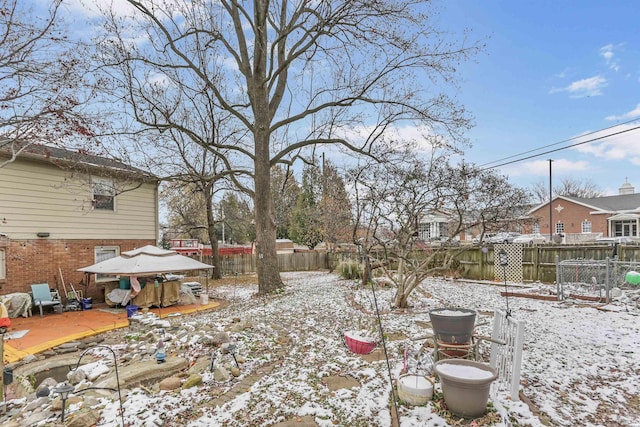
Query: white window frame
103, 187
587, 227
101, 253
560, 228
536, 228
424, 231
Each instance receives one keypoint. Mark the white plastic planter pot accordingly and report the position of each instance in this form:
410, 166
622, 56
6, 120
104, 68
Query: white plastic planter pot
414, 390
465, 385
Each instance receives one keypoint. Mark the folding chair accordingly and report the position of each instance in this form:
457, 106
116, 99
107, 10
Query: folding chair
43, 297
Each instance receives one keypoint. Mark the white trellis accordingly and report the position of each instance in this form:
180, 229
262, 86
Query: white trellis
513, 270
507, 358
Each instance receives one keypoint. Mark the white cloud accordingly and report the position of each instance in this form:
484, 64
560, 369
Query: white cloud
540, 168
628, 115
591, 86
93, 8
623, 146
608, 53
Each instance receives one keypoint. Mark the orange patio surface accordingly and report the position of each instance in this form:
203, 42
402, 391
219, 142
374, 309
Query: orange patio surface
54, 329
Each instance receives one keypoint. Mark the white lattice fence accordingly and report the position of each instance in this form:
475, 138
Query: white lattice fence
513, 269
507, 358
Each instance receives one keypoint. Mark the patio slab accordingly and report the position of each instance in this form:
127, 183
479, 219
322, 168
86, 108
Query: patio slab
51, 330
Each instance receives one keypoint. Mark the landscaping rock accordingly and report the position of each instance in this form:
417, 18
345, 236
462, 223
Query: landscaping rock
193, 381
170, 383
201, 365
85, 417
220, 338
76, 376
220, 374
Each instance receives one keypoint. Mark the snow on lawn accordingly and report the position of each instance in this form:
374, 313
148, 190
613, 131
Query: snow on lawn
580, 364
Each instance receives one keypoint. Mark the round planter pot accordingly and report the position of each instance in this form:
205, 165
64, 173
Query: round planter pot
453, 325
359, 344
465, 385
415, 390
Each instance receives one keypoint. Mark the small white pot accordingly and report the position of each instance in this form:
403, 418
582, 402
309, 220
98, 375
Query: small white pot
415, 390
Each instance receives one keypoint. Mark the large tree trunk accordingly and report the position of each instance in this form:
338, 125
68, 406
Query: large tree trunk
267, 257
257, 88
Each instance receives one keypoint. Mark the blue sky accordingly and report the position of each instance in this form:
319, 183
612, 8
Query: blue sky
553, 70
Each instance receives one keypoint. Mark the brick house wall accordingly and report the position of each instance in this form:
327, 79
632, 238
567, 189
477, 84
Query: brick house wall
570, 214
38, 261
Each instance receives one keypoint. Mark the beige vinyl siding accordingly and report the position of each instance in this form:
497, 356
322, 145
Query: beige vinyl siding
38, 197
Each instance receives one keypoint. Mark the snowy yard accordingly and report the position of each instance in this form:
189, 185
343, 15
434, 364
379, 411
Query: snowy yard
580, 364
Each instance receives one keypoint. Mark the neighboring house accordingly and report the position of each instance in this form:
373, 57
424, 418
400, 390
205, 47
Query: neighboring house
62, 210
433, 226
610, 216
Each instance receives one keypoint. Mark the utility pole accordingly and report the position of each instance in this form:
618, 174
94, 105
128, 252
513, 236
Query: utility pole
222, 219
550, 204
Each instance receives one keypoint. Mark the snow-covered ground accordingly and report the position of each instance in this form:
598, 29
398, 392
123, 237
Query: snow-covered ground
580, 364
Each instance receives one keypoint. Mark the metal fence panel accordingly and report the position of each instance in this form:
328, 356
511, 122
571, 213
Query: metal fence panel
592, 278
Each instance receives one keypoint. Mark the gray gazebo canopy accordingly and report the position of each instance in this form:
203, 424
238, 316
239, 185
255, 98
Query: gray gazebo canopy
144, 261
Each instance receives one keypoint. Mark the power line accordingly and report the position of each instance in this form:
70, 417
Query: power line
559, 149
556, 143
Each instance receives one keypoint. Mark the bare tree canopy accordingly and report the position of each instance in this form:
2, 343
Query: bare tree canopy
291, 74
393, 200
568, 186
40, 76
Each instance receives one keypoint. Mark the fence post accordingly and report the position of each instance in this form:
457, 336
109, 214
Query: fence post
608, 278
558, 287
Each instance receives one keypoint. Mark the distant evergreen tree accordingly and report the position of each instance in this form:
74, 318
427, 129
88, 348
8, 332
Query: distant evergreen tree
306, 225
284, 191
237, 216
334, 206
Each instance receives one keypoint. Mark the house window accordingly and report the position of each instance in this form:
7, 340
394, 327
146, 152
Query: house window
625, 228
3, 274
424, 231
103, 253
442, 229
586, 226
536, 229
560, 228
103, 194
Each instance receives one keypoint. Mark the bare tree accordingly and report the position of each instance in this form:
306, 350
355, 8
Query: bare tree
195, 175
40, 79
292, 74
395, 198
568, 186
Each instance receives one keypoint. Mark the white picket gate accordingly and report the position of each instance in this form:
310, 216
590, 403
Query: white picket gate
507, 357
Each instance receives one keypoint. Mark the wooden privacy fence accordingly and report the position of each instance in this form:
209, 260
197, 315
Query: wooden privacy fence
246, 263
538, 263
